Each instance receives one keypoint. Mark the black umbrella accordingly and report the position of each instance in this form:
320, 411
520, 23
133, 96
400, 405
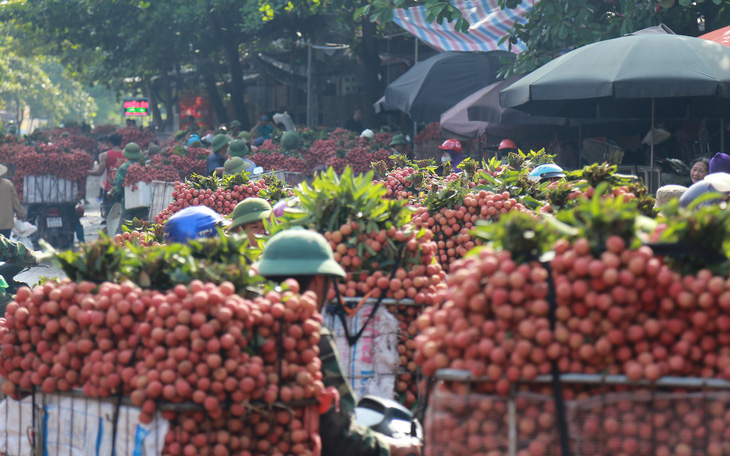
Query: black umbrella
486, 108
648, 75
381, 106
433, 86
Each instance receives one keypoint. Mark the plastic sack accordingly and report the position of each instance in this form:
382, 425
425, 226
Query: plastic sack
22, 231
371, 365
77, 427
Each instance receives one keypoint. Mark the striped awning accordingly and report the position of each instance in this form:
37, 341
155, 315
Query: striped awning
488, 24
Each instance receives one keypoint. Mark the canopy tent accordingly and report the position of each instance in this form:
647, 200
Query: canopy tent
721, 36
481, 113
488, 25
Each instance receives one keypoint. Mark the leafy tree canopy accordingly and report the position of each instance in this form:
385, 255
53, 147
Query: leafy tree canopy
40, 83
554, 27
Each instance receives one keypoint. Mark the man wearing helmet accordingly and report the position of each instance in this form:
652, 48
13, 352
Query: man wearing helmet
248, 217
451, 153
133, 154
307, 257
506, 147
192, 223
547, 172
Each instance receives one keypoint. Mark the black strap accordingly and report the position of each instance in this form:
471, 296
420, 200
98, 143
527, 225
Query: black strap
32, 405
342, 314
557, 385
118, 402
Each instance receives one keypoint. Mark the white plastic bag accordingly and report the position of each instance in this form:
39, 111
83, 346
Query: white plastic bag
22, 231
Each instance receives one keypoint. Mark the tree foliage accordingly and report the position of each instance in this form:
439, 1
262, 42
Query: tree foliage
554, 27
153, 46
39, 82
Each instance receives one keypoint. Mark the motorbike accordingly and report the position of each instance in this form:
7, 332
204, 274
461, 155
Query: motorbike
388, 417
56, 223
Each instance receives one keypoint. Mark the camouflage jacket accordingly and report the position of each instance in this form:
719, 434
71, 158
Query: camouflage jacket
341, 435
16, 253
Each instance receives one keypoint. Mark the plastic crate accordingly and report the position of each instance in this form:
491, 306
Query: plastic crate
600, 152
49, 189
161, 197
138, 197
473, 423
672, 416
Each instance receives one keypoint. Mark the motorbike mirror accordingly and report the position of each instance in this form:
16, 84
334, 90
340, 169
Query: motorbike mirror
384, 416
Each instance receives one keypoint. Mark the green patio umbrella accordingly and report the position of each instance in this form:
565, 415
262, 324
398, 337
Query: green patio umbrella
649, 76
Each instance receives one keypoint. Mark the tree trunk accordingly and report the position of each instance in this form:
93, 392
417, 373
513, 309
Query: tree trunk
223, 29
168, 100
237, 84
156, 115
370, 62
215, 98
18, 114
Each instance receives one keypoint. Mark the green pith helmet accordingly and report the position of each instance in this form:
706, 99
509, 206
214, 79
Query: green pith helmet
398, 139
238, 148
132, 151
294, 253
234, 166
245, 136
153, 149
219, 141
235, 123
250, 210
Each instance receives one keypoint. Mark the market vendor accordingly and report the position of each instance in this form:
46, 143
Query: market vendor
248, 217
193, 222
399, 146
307, 257
194, 141
217, 158
16, 253
451, 153
133, 153
235, 129
717, 184
667, 193
235, 165
548, 172
506, 147
262, 130
699, 169
238, 148
108, 162
9, 204
192, 126
152, 149
720, 163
